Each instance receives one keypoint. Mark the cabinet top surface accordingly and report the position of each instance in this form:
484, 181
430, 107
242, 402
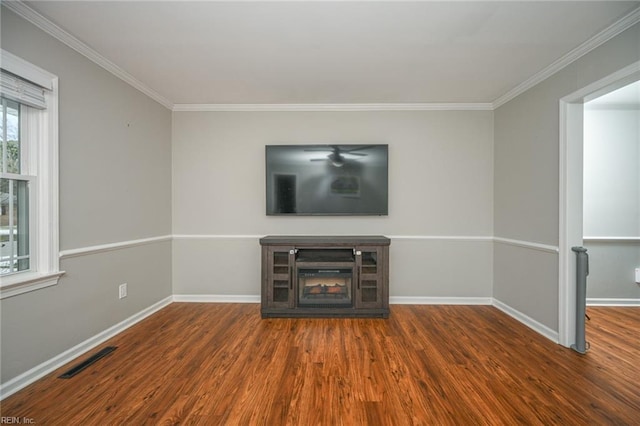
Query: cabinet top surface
326, 240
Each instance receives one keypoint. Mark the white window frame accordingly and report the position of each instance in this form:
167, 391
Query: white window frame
44, 214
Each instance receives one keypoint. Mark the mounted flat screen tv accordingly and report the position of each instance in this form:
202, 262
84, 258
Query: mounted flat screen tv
327, 179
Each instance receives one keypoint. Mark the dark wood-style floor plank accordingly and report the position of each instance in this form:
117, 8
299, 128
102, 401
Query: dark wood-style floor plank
446, 365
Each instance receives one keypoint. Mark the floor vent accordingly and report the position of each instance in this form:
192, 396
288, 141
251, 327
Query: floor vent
87, 362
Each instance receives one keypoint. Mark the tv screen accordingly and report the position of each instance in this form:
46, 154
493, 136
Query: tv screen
327, 179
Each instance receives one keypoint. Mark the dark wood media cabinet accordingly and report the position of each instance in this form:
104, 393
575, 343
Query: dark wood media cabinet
318, 276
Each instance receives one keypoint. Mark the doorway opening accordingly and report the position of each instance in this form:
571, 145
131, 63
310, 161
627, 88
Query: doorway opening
571, 218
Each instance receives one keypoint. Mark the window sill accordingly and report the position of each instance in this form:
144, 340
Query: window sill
14, 285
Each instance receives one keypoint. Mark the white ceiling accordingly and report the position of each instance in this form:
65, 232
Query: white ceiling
323, 52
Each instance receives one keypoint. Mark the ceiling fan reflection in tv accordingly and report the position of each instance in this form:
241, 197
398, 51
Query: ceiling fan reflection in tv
338, 156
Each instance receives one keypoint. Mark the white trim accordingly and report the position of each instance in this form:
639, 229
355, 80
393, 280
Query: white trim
463, 238
469, 238
100, 248
84, 251
14, 385
527, 320
593, 301
332, 107
19, 283
527, 244
607, 84
216, 298
417, 300
48, 224
18, 66
212, 236
65, 254
611, 239
566, 309
394, 300
24, 11
613, 30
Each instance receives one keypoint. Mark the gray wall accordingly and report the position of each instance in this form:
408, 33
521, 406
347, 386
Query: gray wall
612, 272
526, 179
612, 201
115, 186
440, 184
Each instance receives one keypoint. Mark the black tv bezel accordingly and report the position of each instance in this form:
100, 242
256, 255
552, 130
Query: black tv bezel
331, 214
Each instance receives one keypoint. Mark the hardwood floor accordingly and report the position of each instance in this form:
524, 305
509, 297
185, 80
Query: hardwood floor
433, 365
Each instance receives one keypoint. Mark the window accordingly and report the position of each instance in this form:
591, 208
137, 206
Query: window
29, 177
14, 192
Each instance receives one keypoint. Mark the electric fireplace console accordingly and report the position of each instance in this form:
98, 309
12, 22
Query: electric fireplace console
339, 276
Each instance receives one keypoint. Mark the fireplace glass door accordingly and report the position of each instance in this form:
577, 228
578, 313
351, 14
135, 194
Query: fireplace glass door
325, 287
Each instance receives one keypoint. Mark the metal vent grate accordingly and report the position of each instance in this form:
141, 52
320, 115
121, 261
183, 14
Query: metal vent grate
87, 362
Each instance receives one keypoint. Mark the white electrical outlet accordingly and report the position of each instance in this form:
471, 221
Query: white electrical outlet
638, 275
122, 291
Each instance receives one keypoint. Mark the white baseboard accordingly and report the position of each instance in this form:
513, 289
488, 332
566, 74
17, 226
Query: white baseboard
528, 321
39, 371
402, 300
397, 300
216, 298
613, 302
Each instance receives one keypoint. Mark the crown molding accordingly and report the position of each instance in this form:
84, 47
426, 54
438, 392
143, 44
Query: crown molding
333, 107
25, 12
602, 37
